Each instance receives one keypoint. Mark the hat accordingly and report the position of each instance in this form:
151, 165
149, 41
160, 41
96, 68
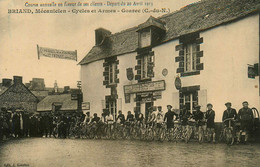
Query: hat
169, 105
245, 102
159, 106
227, 103
209, 105
197, 106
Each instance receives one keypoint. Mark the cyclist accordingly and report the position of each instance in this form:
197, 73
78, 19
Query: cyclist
210, 116
184, 118
153, 117
168, 118
198, 116
159, 120
109, 120
120, 118
95, 119
87, 119
246, 118
130, 117
229, 113
130, 122
139, 117
160, 117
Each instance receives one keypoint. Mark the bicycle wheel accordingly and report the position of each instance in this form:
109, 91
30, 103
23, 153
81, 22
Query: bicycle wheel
229, 137
188, 134
200, 134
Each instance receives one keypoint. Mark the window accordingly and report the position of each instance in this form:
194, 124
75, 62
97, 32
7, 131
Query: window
145, 38
111, 105
191, 100
112, 74
146, 66
190, 57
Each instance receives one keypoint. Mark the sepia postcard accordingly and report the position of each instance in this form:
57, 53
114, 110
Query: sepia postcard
123, 83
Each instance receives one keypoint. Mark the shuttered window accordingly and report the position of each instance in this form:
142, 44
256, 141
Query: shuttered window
202, 95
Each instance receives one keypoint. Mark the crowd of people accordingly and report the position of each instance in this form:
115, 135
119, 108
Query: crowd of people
156, 125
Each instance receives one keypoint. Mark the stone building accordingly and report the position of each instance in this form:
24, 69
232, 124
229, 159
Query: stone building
15, 95
206, 52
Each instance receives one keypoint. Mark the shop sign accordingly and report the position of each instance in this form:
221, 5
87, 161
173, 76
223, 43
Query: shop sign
177, 83
145, 87
147, 99
164, 72
130, 74
85, 105
157, 95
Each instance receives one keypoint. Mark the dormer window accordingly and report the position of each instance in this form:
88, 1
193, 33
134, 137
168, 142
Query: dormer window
150, 32
145, 38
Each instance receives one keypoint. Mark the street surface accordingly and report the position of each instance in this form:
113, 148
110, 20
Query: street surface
49, 152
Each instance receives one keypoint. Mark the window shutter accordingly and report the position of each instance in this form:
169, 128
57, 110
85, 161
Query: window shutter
150, 69
202, 99
175, 100
179, 47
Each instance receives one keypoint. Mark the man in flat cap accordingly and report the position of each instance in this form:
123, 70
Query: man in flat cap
246, 118
169, 117
210, 116
229, 113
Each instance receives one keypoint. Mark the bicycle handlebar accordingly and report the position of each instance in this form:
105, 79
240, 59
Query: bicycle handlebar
229, 119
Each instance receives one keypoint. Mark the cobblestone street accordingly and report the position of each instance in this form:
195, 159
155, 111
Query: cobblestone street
68, 152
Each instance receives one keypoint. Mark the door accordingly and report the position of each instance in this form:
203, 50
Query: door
148, 105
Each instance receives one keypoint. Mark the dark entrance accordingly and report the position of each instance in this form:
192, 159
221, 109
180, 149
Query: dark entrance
148, 105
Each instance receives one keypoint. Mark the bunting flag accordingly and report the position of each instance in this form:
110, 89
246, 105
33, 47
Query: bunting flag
55, 53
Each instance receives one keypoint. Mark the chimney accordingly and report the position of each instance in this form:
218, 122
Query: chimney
66, 89
100, 35
6, 82
18, 79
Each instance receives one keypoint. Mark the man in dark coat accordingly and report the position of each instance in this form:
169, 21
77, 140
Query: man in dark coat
168, 118
210, 116
26, 124
16, 124
34, 126
246, 118
229, 113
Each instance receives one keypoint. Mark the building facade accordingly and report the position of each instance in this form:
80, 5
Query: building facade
16, 95
209, 56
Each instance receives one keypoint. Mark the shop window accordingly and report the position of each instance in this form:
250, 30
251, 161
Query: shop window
190, 57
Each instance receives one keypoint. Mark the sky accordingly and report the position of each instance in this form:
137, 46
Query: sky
21, 33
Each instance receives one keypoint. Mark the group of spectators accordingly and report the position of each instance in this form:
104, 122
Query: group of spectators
20, 123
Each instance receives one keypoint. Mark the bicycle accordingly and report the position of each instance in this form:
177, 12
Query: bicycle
228, 131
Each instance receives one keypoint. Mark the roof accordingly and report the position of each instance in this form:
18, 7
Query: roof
196, 17
65, 99
17, 92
